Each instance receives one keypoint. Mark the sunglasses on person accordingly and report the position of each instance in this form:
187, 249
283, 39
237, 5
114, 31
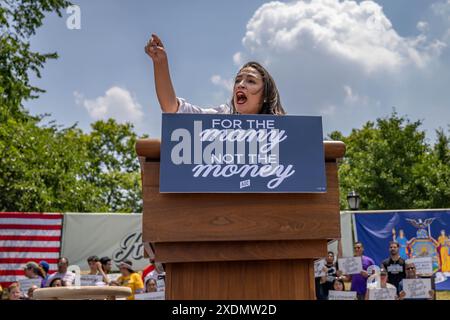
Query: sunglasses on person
410, 268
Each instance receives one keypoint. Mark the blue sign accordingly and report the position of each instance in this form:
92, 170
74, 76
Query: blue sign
419, 233
205, 153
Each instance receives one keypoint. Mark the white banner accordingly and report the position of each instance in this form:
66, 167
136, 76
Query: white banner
118, 236
159, 295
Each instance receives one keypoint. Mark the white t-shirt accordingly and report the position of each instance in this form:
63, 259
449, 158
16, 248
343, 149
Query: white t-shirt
186, 107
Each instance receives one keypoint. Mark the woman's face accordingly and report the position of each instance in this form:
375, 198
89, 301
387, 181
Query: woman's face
57, 283
248, 91
124, 271
151, 286
337, 285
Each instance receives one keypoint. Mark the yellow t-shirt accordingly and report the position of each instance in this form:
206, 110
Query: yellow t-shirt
133, 281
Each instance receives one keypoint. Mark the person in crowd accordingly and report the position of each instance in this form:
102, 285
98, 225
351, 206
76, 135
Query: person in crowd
148, 269
338, 284
254, 89
14, 291
106, 264
359, 281
95, 268
151, 285
57, 282
46, 267
34, 271
129, 278
30, 292
330, 268
66, 276
383, 282
410, 270
395, 265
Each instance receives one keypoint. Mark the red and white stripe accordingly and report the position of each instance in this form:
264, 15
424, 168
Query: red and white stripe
26, 237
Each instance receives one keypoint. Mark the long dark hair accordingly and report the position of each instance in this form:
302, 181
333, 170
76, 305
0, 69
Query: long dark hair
271, 96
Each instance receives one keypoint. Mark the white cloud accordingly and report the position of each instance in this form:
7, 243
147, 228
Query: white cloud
329, 54
117, 103
226, 84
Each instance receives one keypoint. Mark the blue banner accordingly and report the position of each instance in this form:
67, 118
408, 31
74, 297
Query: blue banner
419, 233
205, 153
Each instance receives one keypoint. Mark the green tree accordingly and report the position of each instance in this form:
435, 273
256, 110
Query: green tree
114, 166
18, 21
390, 164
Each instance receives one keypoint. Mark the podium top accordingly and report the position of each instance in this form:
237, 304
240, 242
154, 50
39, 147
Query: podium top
150, 149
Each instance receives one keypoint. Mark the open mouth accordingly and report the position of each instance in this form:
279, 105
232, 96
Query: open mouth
240, 97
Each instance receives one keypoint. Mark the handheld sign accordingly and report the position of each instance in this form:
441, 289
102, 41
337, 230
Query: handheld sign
382, 293
159, 295
417, 288
351, 265
205, 153
318, 268
90, 280
424, 266
341, 295
26, 284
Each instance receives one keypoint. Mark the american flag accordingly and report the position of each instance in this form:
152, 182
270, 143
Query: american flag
26, 237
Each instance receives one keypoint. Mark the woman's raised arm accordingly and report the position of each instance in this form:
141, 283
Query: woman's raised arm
163, 84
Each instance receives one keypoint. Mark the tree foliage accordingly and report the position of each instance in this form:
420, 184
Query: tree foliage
390, 164
46, 167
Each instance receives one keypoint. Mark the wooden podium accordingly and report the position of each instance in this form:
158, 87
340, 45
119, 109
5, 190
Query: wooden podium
239, 246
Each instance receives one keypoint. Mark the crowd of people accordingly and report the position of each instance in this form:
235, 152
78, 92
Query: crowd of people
150, 279
390, 274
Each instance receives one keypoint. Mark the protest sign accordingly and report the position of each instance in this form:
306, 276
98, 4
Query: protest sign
382, 294
241, 153
159, 295
417, 288
318, 268
26, 284
351, 265
341, 295
424, 266
90, 280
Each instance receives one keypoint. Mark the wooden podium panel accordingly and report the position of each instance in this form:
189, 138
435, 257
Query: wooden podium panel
239, 245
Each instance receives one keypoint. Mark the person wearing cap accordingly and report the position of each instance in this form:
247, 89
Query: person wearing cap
46, 267
130, 278
384, 284
33, 271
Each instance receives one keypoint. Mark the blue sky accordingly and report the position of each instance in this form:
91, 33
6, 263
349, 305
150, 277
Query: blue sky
348, 62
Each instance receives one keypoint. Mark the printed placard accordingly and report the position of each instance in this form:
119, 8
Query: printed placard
113, 276
417, 288
318, 268
424, 266
26, 284
350, 265
159, 295
90, 279
341, 295
382, 294
241, 153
